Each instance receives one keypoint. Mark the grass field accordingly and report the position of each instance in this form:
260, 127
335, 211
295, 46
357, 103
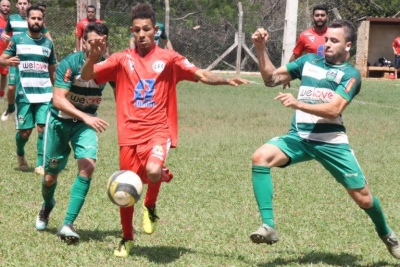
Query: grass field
208, 209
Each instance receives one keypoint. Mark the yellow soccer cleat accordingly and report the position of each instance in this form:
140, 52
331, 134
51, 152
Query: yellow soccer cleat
150, 219
124, 248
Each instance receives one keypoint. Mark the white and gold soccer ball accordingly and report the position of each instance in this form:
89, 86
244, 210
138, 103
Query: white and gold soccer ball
124, 188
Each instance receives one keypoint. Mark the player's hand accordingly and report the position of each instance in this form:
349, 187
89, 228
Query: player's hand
96, 123
236, 81
13, 61
286, 85
260, 38
97, 46
5, 37
287, 99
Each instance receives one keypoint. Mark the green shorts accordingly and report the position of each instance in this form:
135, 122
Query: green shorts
12, 76
338, 159
30, 114
62, 134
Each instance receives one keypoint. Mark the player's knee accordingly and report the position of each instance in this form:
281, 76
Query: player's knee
153, 172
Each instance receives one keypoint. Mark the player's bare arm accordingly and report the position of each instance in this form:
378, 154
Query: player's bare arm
330, 110
271, 76
210, 78
52, 73
61, 103
9, 61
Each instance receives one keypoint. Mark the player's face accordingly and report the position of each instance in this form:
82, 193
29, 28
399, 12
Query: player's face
91, 13
5, 7
22, 6
143, 31
335, 46
320, 18
35, 21
86, 43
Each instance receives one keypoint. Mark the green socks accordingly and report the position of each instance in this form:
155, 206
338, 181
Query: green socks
48, 194
21, 144
263, 191
378, 217
39, 146
79, 190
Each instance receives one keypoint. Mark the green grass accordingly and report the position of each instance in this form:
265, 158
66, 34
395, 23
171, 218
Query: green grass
208, 209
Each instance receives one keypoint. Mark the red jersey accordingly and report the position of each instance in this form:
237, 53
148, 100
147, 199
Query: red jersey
310, 41
3, 44
396, 45
81, 25
146, 92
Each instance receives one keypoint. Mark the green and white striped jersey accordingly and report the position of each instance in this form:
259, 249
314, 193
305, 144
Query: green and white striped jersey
320, 81
35, 55
17, 25
86, 96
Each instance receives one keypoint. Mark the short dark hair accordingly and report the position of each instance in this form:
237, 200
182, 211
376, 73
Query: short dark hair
348, 27
91, 6
97, 27
320, 7
33, 8
144, 11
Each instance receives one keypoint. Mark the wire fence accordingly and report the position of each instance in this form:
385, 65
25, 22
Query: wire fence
201, 38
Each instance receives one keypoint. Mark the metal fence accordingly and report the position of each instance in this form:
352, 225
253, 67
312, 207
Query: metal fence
202, 39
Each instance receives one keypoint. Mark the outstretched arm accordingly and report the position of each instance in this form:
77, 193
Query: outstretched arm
8, 61
271, 75
210, 78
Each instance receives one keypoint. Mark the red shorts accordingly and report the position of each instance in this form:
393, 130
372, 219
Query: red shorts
134, 158
3, 70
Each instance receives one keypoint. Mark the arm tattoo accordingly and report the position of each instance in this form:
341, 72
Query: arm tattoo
273, 80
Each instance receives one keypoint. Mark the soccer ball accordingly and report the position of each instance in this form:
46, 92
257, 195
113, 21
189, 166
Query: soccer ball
124, 188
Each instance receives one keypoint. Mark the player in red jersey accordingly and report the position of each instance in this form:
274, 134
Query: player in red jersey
396, 51
81, 25
146, 79
312, 40
4, 12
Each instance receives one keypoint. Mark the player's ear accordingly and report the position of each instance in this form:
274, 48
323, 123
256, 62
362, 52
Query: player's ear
131, 29
83, 44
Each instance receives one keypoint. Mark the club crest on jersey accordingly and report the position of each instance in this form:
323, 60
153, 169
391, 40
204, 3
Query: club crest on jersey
312, 38
45, 51
331, 74
158, 66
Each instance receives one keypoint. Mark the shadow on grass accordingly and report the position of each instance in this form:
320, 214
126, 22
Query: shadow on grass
160, 254
342, 259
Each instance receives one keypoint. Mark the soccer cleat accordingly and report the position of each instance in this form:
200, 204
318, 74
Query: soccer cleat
124, 248
392, 243
6, 115
150, 219
67, 233
39, 170
42, 220
22, 163
265, 234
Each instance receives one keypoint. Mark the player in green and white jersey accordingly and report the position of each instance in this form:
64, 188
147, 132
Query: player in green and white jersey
72, 122
33, 55
16, 24
317, 132
159, 35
